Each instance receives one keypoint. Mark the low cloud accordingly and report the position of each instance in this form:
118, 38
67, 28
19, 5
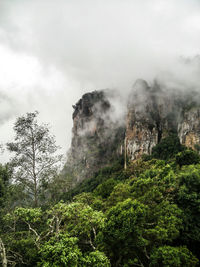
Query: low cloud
54, 51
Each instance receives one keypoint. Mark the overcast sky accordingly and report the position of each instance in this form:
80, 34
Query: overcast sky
51, 52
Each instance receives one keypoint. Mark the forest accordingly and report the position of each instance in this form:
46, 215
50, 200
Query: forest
145, 215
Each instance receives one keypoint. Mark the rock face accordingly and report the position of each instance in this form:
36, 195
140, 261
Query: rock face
189, 128
152, 113
151, 116
96, 138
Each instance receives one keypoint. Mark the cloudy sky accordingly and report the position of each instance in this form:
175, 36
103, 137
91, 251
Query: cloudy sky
51, 52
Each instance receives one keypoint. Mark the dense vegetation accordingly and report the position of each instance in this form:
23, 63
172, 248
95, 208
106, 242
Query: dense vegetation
146, 215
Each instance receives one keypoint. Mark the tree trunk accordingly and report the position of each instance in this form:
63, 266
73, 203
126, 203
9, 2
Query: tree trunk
35, 191
34, 173
3, 254
125, 154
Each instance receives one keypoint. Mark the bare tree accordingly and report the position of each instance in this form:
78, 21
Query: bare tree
35, 159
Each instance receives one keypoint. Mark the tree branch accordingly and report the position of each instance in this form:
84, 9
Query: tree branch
37, 235
3, 254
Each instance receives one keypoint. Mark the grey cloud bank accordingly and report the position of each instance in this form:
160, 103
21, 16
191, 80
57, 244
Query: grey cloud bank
54, 51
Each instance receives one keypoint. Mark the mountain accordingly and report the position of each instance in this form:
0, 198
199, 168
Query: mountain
135, 178
100, 135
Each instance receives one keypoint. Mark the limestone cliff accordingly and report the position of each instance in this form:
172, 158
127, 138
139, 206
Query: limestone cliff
96, 137
152, 113
150, 117
189, 128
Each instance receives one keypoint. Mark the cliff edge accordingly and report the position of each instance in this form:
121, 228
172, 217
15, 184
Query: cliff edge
151, 114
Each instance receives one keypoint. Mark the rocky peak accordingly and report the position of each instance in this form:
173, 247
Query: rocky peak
89, 112
148, 118
86, 104
96, 137
152, 114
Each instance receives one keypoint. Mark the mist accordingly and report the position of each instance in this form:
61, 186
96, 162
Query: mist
54, 51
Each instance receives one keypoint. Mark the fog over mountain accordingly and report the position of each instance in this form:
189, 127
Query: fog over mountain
51, 52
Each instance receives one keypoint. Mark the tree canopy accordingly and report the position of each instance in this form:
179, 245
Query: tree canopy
146, 215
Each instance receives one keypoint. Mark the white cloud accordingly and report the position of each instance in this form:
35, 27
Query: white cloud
51, 52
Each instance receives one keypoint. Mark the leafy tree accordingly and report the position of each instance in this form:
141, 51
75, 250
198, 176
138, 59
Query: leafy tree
122, 234
91, 200
5, 175
167, 148
120, 192
187, 157
95, 259
61, 250
79, 220
168, 256
105, 188
147, 215
34, 161
188, 199
159, 222
22, 235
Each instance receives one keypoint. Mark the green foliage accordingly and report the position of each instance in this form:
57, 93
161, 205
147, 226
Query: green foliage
63, 251
115, 171
60, 251
22, 250
197, 147
188, 199
167, 148
95, 259
187, 157
147, 215
168, 256
146, 157
5, 176
119, 193
167, 223
105, 188
122, 234
28, 214
90, 199
123, 221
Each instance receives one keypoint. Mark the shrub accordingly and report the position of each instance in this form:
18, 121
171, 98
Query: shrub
187, 157
167, 148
